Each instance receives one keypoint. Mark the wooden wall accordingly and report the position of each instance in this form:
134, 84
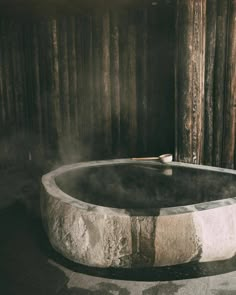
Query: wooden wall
205, 78
98, 85
119, 83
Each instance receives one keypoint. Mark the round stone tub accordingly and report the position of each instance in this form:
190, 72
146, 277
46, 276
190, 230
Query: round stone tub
126, 213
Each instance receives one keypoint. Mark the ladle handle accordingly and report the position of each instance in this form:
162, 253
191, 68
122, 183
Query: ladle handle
146, 158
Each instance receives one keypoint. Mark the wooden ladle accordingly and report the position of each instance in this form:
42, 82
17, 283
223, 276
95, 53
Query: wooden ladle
165, 158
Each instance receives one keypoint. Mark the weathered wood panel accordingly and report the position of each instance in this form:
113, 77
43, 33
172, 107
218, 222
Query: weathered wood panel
142, 75
106, 83
199, 29
160, 37
131, 84
183, 80
12, 100
190, 67
87, 86
205, 122
115, 85
220, 94
228, 151
219, 80
100, 84
209, 79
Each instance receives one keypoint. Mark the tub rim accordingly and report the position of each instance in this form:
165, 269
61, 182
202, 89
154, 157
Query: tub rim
50, 186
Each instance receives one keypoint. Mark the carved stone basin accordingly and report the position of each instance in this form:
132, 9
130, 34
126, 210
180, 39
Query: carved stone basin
125, 213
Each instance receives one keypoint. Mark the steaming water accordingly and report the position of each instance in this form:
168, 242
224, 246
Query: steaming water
145, 186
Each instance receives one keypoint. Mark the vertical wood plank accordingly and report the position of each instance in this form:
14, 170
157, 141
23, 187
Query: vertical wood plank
2, 101
12, 64
20, 77
198, 69
6, 70
132, 96
115, 83
28, 99
4, 110
31, 92
72, 73
161, 93
21, 72
123, 24
184, 76
50, 101
230, 90
87, 101
80, 70
55, 77
106, 90
144, 100
141, 76
97, 61
219, 80
37, 85
190, 69
90, 98
77, 52
15, 78
64, 74
43, 80
209, 79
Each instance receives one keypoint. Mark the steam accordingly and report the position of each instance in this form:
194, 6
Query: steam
146, 186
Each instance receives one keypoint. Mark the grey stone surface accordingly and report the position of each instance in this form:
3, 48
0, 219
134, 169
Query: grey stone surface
102, 236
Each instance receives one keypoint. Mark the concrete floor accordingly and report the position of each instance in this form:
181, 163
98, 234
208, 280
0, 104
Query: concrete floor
29, 266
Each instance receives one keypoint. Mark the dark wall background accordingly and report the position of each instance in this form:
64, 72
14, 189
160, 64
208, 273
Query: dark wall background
119, 82
96, 85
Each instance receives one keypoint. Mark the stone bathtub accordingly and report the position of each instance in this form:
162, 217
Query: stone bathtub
125, 213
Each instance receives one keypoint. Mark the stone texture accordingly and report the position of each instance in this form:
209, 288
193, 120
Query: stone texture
176, 241
216, 229
117, 241
143, 240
